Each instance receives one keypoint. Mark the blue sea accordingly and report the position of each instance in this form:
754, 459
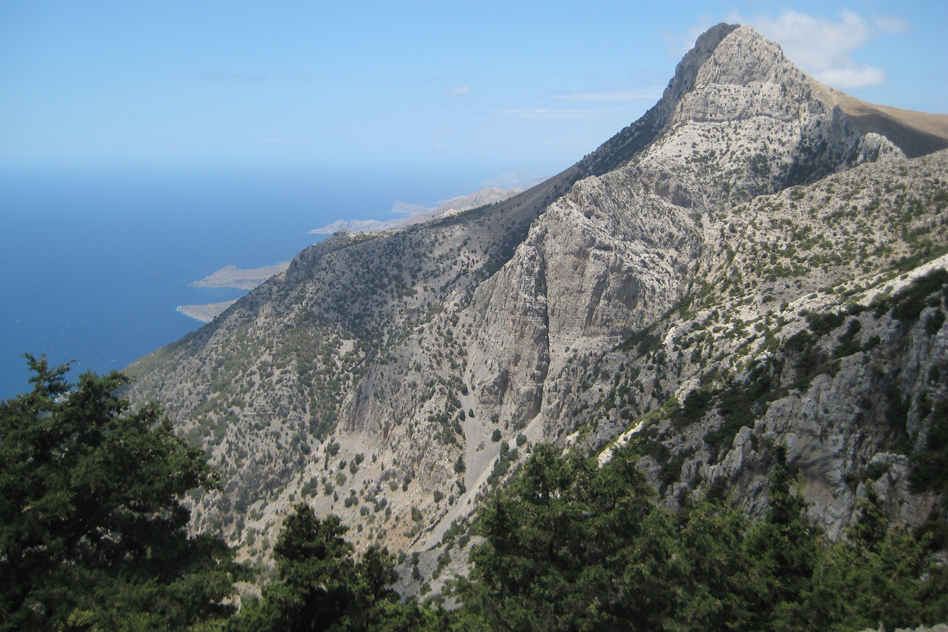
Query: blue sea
94, 261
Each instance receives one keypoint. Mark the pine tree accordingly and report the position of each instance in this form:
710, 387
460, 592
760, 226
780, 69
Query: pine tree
92, 530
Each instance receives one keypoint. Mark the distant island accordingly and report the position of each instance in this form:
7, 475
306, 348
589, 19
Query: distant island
239, 279
233, 277
205, 313
229, 277
416, 213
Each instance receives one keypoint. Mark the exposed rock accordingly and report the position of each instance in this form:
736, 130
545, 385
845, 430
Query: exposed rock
679, 259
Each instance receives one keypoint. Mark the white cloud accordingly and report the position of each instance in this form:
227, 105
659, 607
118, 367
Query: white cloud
458, 91
268, 141
821, 47
857, 76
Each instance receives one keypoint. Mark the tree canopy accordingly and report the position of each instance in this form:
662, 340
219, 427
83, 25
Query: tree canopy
93, 536
92, 528
322, 587
574, 546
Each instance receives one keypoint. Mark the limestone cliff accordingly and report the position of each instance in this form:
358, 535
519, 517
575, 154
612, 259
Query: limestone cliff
691, 286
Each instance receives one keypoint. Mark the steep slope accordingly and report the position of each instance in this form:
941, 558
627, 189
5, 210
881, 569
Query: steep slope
393, 378
777, 340
915, 133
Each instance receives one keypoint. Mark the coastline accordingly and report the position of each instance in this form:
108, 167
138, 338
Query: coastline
233, 277
205, 313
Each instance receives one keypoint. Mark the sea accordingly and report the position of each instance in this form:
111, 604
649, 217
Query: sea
94, 261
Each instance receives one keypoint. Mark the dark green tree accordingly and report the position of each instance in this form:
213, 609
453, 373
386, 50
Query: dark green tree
92, 530
573, 546
880, 576
871, 527
316, 577
786, 545
322, 587
712, 576
564, 545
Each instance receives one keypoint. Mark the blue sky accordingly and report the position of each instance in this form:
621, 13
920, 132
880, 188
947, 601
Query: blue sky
483, 86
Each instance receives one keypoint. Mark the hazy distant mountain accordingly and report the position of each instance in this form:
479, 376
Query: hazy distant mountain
514, 179
721, 276
402, 208
417, 213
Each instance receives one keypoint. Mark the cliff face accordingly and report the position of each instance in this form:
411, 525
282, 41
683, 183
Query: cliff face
668, 284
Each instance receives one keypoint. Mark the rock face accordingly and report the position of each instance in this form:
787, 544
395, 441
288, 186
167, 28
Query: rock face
696, 279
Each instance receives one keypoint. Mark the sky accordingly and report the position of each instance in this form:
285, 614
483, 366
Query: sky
484, 85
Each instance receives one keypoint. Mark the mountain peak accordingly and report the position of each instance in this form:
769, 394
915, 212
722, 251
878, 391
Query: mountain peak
731, 73
687, 69
728, 55
743, 75
745, 57
714, 253
738, 107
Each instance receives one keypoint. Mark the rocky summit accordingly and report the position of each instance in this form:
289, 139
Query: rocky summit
748, 265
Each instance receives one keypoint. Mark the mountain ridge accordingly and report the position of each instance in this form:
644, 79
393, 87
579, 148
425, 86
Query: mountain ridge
418, 213
395, 378
915, 133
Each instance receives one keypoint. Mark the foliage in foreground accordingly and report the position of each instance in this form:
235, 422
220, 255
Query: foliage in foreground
92, 532
571, 546
322, 587
93, 537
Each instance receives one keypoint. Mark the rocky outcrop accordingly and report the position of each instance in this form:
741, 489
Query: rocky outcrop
657, 285
855, 398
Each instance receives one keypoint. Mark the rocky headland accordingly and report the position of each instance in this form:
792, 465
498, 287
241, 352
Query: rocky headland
417, 214
231, 276
205, 313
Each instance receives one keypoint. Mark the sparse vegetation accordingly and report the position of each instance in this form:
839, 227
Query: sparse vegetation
729, 266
